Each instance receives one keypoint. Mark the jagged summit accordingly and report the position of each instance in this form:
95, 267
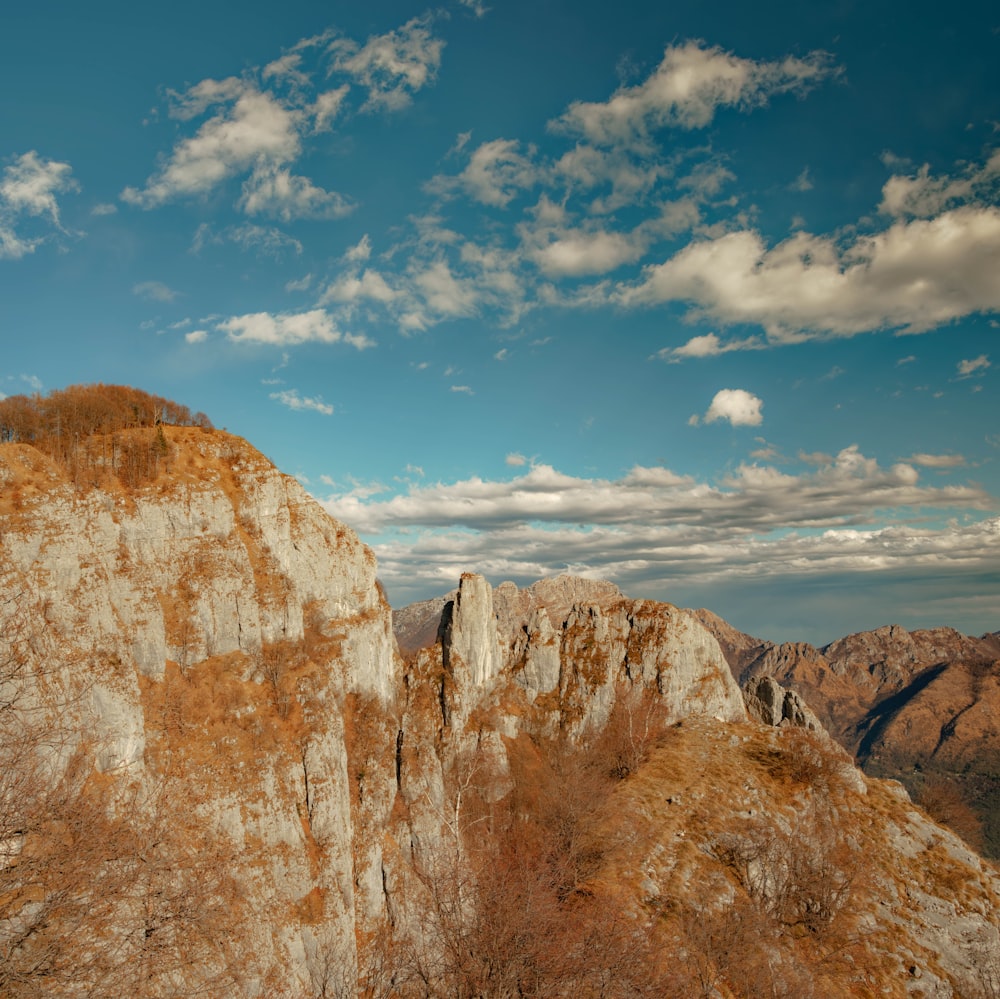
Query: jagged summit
219, 776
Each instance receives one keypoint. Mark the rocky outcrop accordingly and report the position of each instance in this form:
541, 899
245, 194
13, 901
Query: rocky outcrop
216, 621
772, 704
564, 648
208, 662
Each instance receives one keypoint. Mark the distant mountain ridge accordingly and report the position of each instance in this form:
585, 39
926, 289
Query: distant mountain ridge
920, 706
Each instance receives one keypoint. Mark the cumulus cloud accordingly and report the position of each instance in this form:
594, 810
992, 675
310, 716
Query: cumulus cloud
575, 253
292, 399
255, 125
257, 131
914, 276
687, 88
283, 329
737, 406
196, 336
515, 460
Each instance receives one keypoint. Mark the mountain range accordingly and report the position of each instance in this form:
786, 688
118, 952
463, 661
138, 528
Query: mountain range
221, 774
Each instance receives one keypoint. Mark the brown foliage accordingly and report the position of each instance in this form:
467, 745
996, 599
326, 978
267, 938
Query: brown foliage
945, 803
97, 430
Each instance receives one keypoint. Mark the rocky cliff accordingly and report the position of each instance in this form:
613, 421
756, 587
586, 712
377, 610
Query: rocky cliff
218, 776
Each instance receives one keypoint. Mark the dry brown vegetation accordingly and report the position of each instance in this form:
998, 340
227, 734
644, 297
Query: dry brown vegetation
105, 891
621, 866
97, 432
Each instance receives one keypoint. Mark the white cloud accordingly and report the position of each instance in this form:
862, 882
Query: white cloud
30, 185
156, 291
462, 389
196, 100
265, 240
844, 491
968, 368
257, 131
287, 68
913, 276
351, 288
937, 460
686, 89
28, 188
922, 195
284, 329
327, 107
277, 192
578, 253
495, 174
443, 294
362, 250
301, 284
103, 209
737, 406
292, 399
392, 66
515, 460
196, 336
803, 182
708, 345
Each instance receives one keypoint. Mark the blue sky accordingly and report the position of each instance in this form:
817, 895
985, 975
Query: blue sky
699, 300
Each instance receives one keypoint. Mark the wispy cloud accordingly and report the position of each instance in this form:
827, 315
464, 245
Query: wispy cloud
292, 399
653, 528
155, 291
28, 189
976, 365
936, 460
256, 126
691, 83
391, 67
708, 345
920, 194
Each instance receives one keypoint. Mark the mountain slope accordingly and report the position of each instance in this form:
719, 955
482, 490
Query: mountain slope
218, 776
917, 706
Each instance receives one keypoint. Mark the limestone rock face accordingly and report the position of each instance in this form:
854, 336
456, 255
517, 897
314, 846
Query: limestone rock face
220, 655
771, 704
569, 646
218, 619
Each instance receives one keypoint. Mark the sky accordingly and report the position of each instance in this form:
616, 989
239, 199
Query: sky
699, 297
